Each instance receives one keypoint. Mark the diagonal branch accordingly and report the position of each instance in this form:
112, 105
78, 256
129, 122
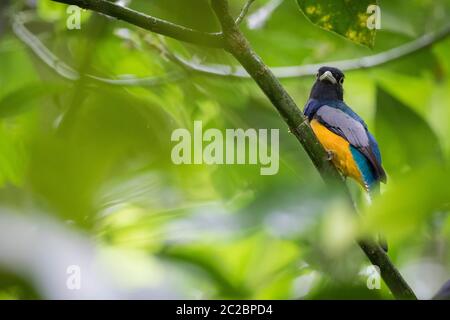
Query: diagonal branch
240, 48
150, 23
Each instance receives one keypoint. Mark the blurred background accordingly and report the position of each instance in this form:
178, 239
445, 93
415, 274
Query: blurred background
88, 188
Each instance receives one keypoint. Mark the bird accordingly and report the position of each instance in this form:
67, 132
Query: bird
343, 133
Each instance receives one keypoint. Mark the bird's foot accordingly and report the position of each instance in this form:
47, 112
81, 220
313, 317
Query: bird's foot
330, 155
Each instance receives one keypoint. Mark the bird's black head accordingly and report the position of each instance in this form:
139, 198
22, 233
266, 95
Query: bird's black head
328, 85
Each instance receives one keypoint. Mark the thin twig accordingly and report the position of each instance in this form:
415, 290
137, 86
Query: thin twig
259, 18
293, 72
69, 73
244, 11
159, 46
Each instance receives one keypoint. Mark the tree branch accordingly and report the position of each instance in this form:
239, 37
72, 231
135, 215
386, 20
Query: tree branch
220, 70
239, 47
294, 72
150, 23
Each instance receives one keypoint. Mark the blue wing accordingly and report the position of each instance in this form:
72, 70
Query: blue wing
311, 108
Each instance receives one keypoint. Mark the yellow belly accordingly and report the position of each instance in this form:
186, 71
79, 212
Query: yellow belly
340, 148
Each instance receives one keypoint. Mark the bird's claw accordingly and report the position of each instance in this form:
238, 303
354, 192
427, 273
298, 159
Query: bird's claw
330, 155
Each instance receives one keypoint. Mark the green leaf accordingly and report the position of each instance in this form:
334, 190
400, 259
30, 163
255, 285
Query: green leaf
410, 202
406, 139
24, 98
348, 18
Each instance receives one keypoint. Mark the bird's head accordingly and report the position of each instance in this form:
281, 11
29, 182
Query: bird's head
328, 85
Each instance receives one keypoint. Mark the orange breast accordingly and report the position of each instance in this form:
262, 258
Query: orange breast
340, 148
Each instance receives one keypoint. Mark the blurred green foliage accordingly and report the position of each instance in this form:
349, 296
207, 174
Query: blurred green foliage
98, 155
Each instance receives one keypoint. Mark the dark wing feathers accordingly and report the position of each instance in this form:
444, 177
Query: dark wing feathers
353, 131
342, 124
379, 171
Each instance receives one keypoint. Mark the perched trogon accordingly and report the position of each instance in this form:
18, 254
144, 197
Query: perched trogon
343, 134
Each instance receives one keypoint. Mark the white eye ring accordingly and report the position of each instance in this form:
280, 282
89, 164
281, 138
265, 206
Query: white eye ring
341, 81
317, 75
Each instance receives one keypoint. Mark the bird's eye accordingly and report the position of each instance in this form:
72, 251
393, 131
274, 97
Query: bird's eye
317, 75
341, 80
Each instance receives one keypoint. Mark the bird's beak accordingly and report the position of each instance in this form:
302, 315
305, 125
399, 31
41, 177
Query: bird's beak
327, 75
